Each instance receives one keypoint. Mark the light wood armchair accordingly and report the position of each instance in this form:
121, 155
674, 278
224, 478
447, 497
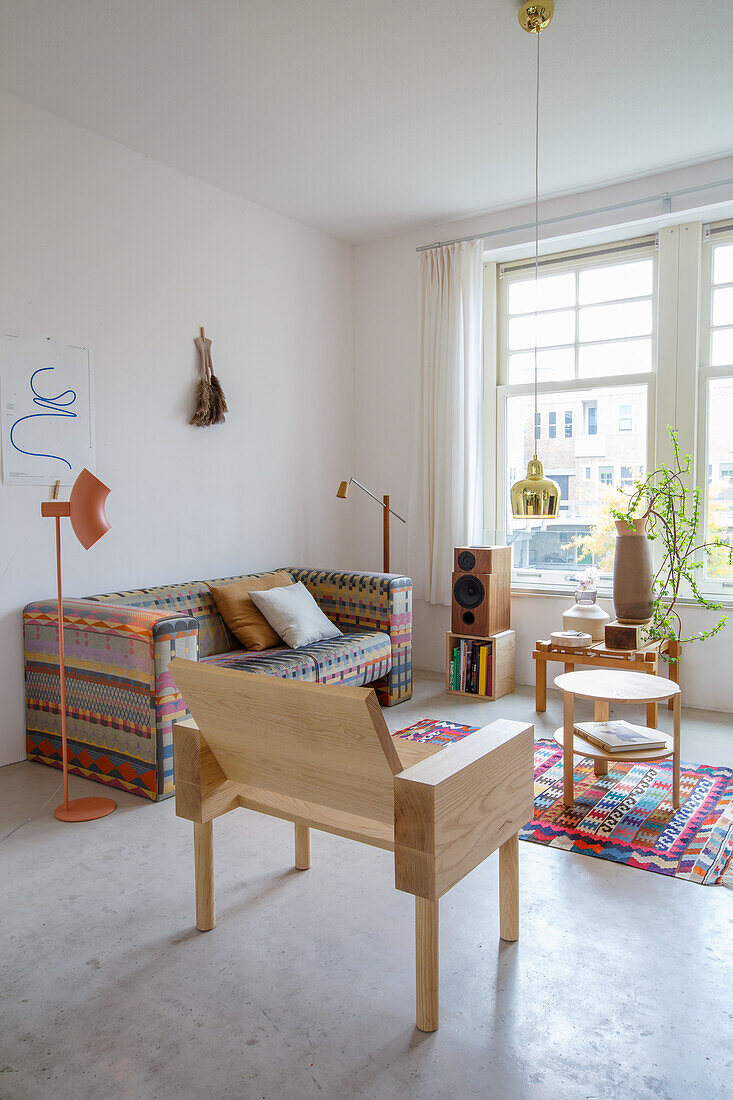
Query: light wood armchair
322, 757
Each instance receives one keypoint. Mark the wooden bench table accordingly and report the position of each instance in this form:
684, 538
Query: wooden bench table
599, 656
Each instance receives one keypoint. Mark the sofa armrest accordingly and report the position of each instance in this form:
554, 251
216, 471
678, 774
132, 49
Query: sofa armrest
454, 808
380, 601
121, 699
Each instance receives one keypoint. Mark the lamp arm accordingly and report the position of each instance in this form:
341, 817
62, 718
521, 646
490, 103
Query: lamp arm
379, 502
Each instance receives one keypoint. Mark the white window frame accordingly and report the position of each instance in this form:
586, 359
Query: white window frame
622, 252
713, 234
673, 388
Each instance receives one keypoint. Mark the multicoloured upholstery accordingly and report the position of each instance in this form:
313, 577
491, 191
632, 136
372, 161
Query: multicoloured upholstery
121, 699
290, 664
379, 601
359, 657
192, 599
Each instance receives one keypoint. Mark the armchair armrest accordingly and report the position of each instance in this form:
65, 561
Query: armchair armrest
121, 699
455, 808
379, 601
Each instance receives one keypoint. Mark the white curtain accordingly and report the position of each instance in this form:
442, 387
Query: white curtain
446, 496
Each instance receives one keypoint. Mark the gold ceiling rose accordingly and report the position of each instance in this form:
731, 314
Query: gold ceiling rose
535, 17
536, 496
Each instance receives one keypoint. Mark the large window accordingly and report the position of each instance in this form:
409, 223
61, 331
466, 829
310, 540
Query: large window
595, 326
606, 394
716, 422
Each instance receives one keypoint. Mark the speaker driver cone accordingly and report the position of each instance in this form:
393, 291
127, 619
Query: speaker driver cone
468, 592
466, 560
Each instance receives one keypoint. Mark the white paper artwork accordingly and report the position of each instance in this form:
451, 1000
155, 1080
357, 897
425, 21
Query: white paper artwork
47, 410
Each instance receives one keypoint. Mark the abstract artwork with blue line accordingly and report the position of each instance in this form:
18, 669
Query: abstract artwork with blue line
47, 410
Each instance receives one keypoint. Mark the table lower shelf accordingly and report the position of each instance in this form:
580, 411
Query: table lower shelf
581, 747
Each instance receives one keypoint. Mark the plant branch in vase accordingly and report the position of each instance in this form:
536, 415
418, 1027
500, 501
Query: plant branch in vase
665, 508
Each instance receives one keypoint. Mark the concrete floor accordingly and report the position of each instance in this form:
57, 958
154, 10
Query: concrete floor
621, 984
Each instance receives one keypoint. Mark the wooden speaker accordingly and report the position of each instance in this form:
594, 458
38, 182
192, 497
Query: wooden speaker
480, 604
482, 559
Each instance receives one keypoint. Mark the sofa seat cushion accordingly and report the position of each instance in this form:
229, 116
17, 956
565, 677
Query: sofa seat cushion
290, 664
357, 657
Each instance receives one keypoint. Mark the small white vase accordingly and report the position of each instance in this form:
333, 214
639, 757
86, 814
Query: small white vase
588, 617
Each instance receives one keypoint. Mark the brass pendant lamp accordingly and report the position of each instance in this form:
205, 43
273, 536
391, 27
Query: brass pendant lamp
536, 496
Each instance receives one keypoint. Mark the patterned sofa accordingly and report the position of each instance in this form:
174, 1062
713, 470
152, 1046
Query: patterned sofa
121, 699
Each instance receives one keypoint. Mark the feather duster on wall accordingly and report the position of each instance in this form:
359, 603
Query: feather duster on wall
211, 403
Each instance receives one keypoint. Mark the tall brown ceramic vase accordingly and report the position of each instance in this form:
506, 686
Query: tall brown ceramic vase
632, 574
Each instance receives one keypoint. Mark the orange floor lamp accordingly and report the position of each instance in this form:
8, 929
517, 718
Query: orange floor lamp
343, 492
85, 509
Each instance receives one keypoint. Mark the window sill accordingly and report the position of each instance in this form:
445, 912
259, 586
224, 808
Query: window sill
559, 593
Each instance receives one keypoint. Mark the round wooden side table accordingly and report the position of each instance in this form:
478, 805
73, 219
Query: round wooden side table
606, 687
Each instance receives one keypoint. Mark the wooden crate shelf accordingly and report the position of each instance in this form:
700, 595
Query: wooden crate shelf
502, 656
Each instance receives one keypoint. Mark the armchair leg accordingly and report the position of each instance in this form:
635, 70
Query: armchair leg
426, 963
203, 855
302, 847
509, 889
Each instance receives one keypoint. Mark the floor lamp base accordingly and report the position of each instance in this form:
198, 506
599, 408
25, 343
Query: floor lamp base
85, 809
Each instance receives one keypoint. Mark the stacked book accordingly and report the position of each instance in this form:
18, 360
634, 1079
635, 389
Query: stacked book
470, 667
620, 736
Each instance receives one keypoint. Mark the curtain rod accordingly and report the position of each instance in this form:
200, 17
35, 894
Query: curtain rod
665, 197
649, 241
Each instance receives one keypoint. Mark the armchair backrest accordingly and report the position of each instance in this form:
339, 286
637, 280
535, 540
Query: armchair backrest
324, 745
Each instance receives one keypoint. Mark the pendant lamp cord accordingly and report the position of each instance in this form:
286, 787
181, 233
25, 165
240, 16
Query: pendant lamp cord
536, 237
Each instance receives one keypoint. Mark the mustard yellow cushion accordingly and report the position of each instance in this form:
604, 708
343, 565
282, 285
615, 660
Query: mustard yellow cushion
246, 622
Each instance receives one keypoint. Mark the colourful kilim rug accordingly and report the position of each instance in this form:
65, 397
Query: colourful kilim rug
626, 816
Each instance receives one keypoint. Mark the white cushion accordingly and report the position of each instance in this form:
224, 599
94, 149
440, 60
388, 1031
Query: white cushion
294, 615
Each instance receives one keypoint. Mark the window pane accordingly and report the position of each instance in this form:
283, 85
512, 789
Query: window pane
588, 468
604, 284
613, 322
590, 417
552, 328
620, 357
723, 264
625, 419
723, 348
554, 292
723, 306
720, 486
554, 365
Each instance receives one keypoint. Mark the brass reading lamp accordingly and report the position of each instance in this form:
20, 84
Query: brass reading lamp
343, 492
536, 496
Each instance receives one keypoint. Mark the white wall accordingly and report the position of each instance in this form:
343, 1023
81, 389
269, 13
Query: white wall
105, 246
385, 320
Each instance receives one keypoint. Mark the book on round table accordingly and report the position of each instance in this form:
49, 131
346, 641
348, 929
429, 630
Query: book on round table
618, 736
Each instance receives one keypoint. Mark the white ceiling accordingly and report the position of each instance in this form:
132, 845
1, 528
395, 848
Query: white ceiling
363, 117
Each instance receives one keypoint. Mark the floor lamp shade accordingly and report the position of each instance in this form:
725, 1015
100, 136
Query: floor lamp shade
86, 506
85, 510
